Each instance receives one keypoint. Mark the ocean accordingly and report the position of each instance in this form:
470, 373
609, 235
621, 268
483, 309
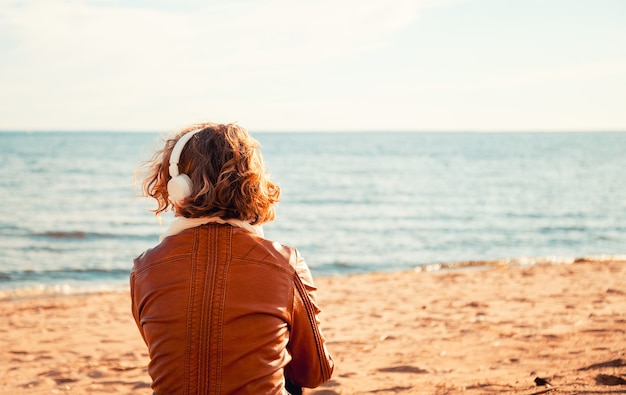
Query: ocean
71, 219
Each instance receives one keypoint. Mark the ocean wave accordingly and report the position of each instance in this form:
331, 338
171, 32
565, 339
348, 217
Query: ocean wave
63, 235
33, 283
346, 268
65, 289
519, 262
48, 276
84, 235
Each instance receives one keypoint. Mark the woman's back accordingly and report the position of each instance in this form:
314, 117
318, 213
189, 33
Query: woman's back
215, 305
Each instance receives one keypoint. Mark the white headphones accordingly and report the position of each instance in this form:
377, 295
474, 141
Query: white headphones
179, 186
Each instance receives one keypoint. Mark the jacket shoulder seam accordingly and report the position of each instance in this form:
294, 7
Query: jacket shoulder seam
163, 261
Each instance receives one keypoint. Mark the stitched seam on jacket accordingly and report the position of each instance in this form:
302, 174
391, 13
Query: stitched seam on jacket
190, 304
208, 301
319, 346
160, 262
287, 270
222, 306
214, 359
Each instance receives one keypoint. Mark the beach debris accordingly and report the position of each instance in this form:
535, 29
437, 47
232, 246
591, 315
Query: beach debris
542, 381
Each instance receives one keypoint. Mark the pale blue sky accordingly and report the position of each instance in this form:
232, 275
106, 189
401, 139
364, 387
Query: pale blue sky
484, 65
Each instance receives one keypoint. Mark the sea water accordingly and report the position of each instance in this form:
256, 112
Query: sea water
71, 219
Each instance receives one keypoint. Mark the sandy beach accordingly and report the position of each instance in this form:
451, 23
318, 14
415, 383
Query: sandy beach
470, 331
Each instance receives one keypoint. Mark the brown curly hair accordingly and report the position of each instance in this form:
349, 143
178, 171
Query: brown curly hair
227, 173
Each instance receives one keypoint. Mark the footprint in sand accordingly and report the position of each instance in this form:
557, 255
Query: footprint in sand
403, 369
608, 379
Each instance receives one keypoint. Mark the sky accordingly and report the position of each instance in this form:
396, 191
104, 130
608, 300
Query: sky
324, 65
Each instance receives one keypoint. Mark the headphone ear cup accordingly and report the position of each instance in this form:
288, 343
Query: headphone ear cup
179, 188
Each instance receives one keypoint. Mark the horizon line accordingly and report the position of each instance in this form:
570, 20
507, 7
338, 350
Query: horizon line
328, 131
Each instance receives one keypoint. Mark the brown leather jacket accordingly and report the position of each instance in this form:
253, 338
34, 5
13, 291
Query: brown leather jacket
224, 311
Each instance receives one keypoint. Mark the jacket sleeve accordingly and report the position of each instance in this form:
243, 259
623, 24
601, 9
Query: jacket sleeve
311, 364
133, 306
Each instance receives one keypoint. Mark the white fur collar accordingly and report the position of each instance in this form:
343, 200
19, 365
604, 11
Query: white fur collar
180, 224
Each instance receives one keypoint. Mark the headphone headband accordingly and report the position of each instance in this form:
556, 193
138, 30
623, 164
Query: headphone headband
179, 187
178, 150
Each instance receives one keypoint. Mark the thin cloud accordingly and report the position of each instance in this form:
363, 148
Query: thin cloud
88, 54
277, 30
525, 79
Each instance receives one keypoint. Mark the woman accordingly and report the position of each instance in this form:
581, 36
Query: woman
221, 309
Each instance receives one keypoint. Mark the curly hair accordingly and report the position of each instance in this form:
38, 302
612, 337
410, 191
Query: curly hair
227, 173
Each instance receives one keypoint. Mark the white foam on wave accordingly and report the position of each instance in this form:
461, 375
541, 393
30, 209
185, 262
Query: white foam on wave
56, 290
520, 262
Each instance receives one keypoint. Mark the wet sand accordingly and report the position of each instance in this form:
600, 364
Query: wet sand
470, 331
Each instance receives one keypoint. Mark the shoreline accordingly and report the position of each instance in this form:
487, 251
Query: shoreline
445, 331
84, 288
